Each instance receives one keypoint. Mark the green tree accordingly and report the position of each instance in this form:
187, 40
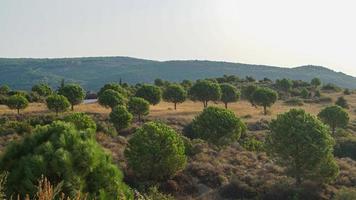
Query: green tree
304, 93
150, 93
302, 143
120, 117
285, 84
175, 93
74, 93
159, 82
335, 117
4, 89
205, 91
155, 152
111, 98
61, 153
265, 97
42, 89
81, 121
57, 103
217, 126
316, 82
341, 101
113, 86
247, 93
229, 93
138, 106
17, 102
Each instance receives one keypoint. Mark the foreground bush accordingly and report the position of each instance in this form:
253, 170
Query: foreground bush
217, 126
303, 144
155, 152
61, 153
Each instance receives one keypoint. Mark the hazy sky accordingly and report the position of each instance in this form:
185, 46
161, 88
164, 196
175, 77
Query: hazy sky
275, 32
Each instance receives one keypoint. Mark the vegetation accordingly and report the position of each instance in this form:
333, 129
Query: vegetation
303, 144
42, 89
175, 93
155, 152
316, 82
111, 98
81, 121
74, 93
341, 101
284, 84
113, 86
120, 117
335, 117
150, 93
205, 91
57, 103
248, 91
264, 97
229, 93
17, 102
138, 106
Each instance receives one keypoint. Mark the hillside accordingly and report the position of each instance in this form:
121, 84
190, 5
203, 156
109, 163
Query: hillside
93, 72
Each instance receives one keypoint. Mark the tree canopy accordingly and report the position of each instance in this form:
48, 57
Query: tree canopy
138, 106
57, 103
334, 116
265, 97
175, 93
17, 102
205, 91
151, 93
74, 93
229, 93
111, 98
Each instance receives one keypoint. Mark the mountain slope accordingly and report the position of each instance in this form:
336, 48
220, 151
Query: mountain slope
93, 72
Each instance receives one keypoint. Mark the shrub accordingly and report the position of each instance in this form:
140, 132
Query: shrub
284, 84
4, 89
345, 194
138, 106
217, 126
335, 117
81, 121
316, 82
205, 91
294, 102
106, 128
74, 93
150, 93
347, 92
175, 93
111, 98
341, 101
304, 93
120, 117
302, 143
57, 103
251, 144
229, 93
155, 152
331, 87
3, 99
15, 127
61, 153
265, 97
17, 102
346, 147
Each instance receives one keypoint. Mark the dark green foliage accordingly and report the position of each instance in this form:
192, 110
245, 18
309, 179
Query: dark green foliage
186, 84
57, 103
247, 92
151, 93
155, 152
81, 121
159, 82
284, 84
61, 153
3, 99
331, 87
229, 93
15, 127
113, 86
4, 89
316, 82
304, 93
17, 102
294, 102
106, 127
252, 144
303, 144
335, 117
341, 101
42, 89
138, 106
111, 98
74, 93
217, 126
120, 117
205, 91
175, 93
265, 97
346, 147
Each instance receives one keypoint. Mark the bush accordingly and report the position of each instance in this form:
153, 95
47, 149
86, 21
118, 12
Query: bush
3, 99
345, 194
138, 106
120, 117
341, 101
347, 92
155, 152
15, 127
346, 147
331, 87
81, 121
251, 144
61, 153
217, 126
294, 102
106, 128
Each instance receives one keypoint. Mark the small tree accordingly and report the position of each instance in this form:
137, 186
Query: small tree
217, 126
247, 93
4, 89
159, 82
304, 93
229, 93
316, 82
265, 97
150, 93
113, 86
82, 122
42, 89
155, 152
285, 84
17, 102
302, 143
341, 101
74, 93
111, 98
335, 117
120, 117
138, 106
175, 93
205, 91
57, 103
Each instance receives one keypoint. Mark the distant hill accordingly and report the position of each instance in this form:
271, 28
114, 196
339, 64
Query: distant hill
93, 72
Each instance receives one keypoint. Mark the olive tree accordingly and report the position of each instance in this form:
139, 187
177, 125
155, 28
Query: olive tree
265, 97
205, 91
111, 98
302, 143
155, 152
57, 103
229, 93
150, 93
138, 106
74, 93
120, 117
17, 102
217, 126
175, 93
42, 89
335, 117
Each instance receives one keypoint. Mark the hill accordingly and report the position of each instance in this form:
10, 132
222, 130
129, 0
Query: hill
93, 72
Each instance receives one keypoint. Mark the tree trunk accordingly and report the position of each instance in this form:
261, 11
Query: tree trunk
56, 112
265, 110
72, 107
333, 129
175, 106
298, 180
139, 117
18, 111
225, 105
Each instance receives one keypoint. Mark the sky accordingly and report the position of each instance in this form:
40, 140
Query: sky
284, 33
